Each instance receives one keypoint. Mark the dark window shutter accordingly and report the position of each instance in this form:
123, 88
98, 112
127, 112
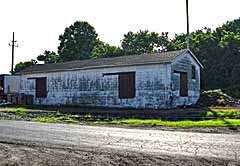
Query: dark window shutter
183, 85
193, 72
41, 87
127, 85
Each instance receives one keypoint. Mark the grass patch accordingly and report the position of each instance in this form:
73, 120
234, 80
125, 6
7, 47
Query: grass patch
185, 123
47, 119
53, 119
18, 111
70, 121
88, 116
228, 113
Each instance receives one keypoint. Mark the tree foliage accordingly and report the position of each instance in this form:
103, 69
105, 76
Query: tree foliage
22, 65
77, 42
218, 50
144, 42
231, 26
104, 50
49, 57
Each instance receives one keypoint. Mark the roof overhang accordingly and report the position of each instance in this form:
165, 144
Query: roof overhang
194, 57
93, 67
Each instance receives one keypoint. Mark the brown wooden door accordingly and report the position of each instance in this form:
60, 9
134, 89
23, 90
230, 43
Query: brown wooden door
127, 85
41, 87
183, 84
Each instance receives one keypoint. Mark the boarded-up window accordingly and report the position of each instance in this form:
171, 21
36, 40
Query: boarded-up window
193, 72
41, 87
183, 84
126, 85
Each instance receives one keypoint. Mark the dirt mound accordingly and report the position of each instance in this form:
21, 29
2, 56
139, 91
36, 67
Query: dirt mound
217, 98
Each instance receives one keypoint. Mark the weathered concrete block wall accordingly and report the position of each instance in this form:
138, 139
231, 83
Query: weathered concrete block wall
184, 63
91, 88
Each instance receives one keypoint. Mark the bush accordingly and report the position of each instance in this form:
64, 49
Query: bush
233, 91
18, 111
217, 98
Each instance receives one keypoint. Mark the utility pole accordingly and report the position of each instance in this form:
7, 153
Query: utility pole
13, 44
188, 37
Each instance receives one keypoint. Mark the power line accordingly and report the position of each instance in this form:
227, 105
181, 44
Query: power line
188, 37
13, 45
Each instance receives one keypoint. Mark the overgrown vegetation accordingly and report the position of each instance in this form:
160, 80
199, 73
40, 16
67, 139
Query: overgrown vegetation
18, 111
56, 119
228, 113
219, 117
233, 91
186, 123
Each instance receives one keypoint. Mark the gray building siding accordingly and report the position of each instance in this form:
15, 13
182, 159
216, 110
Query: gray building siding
91, 88
184, 64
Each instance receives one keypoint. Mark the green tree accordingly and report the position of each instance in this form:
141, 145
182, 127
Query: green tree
49, 57
104, 50
231, 59
144, 42
232, 26
205, 46
77, 42
219, 52
22, 65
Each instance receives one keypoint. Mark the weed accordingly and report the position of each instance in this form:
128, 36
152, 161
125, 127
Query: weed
18, 111
53, 119
228, 113
58, 113
186, 123
70, 121
88, 116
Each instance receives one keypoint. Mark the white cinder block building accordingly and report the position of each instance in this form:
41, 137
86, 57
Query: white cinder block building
161, 80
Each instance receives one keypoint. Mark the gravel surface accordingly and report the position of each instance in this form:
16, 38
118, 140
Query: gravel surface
26, 142
39, 155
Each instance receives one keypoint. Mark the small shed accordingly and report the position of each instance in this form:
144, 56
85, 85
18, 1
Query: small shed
159, 80
2, 86
9, 84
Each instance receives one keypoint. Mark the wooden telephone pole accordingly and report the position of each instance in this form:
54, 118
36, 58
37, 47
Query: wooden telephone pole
188, 37
13, 45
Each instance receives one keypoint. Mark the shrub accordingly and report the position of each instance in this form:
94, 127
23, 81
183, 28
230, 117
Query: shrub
18, 111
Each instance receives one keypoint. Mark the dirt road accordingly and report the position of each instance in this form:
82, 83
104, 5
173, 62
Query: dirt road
96, 140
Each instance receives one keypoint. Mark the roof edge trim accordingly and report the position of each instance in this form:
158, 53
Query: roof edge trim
95, 67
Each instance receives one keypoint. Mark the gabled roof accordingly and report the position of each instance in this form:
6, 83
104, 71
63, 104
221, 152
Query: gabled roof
133, 60
195, 58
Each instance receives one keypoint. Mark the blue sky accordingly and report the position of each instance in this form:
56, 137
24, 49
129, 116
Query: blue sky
38, 23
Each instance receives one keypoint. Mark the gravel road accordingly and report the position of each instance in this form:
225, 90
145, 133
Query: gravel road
218, 147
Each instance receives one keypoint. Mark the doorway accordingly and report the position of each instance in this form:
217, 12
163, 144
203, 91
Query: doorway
183, 84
